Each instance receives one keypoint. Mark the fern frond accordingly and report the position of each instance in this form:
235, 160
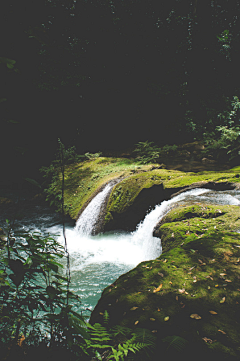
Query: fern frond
99, 337
106, 317
176, 342
120, 331
145, 336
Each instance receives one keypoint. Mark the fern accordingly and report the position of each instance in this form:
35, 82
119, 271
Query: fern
106, 317
144, 335
99, 337
175, 342
118, 342
121, 331
146, 152
123, 349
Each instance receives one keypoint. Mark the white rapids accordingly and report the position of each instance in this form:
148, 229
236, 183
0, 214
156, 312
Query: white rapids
97, 261
118, 248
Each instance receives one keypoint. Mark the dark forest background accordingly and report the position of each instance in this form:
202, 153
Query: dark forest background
105, 74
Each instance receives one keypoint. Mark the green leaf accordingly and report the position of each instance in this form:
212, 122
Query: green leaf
175, 342
32, 181
12, 121
52, 292
33, 305
61, 278
78, 327
53, 267
9, 62
17, 279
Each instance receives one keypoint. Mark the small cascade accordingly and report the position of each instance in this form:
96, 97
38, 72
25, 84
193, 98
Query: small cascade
87, 221
143, 236
97, 261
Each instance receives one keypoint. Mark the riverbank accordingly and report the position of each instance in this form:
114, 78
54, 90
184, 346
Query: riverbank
192, 290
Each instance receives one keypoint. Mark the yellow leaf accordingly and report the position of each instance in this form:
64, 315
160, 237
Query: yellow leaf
136, 322
228, 281
133, 308
157, 289
20, 340
223, 300
213, 312
159, 310
224, 333
195, 316
166, 318
207, 340
152, 319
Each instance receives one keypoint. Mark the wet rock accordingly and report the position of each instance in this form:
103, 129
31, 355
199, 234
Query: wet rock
128, 220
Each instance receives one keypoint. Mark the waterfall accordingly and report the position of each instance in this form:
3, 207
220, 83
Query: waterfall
143, 236
87, 221
97, 261
132, 248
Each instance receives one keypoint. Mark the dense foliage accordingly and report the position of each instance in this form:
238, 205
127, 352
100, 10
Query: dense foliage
39, 314
100, 74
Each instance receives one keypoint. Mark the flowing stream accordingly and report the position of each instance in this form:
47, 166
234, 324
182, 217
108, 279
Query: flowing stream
97, 261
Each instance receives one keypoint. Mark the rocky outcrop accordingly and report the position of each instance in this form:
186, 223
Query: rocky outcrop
129, 219
191, 290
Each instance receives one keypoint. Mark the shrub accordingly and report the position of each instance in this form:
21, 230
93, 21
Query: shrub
147, 152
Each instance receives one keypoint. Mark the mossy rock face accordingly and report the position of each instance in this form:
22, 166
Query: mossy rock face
85, 179
131, 199
193, 289
140, 188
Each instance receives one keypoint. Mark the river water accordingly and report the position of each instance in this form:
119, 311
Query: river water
97, 261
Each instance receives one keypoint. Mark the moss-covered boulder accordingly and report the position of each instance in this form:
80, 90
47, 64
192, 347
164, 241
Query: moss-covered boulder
84, 180
138, 188
192, 290
132, 197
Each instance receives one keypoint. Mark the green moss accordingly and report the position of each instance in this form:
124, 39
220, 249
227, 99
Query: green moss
124, 193
85, 178
184, 179
195, 222
197, 274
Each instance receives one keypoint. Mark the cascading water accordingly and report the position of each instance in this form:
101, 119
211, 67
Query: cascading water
143, 236
97, 261
88, 219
